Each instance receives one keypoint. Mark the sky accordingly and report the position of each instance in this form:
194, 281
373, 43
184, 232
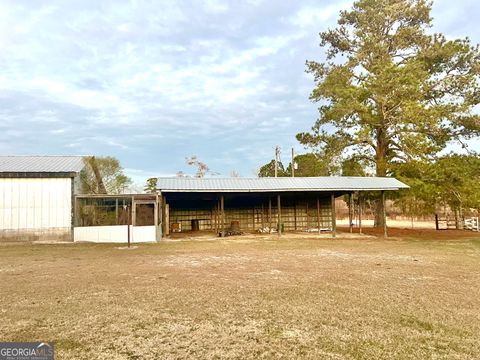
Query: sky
154, 82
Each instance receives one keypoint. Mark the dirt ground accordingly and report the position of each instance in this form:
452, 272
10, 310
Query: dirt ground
415, 295
397, 223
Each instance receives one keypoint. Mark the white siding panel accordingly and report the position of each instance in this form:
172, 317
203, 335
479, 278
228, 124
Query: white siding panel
35, 204
22, 204
115, 234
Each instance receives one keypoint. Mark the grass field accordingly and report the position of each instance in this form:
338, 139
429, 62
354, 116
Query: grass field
248, 297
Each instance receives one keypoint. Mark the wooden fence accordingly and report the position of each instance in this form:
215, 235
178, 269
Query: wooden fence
471, 224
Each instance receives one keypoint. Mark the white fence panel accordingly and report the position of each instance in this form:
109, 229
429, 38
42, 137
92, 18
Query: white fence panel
114, 234
472, 224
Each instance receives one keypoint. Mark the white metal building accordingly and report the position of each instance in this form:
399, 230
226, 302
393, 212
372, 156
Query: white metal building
36, 196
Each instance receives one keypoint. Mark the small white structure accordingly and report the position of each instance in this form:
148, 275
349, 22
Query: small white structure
117, 218
36, 196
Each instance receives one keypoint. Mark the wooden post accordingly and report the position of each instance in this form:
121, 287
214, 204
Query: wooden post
253, 225
116, 211
359, 214
270, 214
263, 217
334, 216
384, 215
318, 214
350, 212
217, 216
164, 230
307, 215
134, 212
166, 217
295, 214
213, 219
222, 215
156, 222
437, 227
128, 223
279, 210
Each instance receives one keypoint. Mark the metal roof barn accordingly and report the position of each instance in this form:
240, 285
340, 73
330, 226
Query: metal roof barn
261, 204
37, 195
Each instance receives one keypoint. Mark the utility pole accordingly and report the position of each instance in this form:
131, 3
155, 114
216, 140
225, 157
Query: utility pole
276, 160
292, 165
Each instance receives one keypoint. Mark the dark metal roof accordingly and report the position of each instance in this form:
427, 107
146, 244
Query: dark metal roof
41, 164
280, 184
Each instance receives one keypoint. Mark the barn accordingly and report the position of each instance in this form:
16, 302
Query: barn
36, 196
259, 204
220, 206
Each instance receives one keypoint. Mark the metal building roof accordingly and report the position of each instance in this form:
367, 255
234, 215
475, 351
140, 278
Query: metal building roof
282, 184
41, 164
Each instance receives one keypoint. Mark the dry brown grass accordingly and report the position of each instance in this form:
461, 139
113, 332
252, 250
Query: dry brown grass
247, 297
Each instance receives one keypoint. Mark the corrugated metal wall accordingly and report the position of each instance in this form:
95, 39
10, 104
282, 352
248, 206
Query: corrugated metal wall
34, 207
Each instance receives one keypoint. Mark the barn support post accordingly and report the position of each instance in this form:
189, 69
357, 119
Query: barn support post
306, 213
128, 222
318, 214
350, 212
116, 211
212, 220
215, 213
295, 214
279, 210
162, 210
165, 216
157, 221
134, 212
359, 213
384, 215
167, 219
218, 215
263, 215
270, 213
222, 215
334, 215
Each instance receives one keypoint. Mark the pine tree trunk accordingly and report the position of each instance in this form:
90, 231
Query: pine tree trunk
381, 170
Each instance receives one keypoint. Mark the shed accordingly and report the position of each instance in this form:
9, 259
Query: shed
36, 196
259, 204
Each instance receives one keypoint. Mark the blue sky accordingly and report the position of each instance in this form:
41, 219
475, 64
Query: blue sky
154, 82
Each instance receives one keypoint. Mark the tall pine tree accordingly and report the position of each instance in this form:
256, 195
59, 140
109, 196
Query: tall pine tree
388, 90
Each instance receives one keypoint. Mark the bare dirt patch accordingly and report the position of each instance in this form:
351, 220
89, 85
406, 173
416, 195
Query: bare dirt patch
409, 297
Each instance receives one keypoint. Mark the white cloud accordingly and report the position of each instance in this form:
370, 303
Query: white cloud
318, 15
216, 6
